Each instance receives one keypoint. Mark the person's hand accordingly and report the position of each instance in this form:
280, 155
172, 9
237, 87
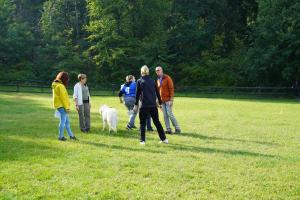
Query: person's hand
159, 106
135, 108
67, 110
121, 101
77, 108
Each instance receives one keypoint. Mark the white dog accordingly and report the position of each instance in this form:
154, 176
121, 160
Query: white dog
109, 117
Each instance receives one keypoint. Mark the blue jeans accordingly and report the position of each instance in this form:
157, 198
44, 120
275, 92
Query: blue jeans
168, 115
64, 122
129, 103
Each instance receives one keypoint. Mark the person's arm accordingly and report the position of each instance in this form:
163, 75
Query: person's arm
171, 90
137, 93
137, 97
157, 94
89, 94
121, 92
75, 97
64, 98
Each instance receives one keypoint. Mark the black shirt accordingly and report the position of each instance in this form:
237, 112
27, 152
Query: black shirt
147, 92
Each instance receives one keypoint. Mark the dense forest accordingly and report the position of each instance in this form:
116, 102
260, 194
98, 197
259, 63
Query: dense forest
198, 42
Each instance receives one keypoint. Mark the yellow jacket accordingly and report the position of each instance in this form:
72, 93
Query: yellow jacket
60, 96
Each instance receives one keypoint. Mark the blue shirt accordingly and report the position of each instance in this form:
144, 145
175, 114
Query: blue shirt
128, 89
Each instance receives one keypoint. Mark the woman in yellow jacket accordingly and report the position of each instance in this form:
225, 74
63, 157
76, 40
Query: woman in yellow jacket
61, 102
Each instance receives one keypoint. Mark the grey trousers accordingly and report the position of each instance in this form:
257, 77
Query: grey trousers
84, 117
168, 115
129, 103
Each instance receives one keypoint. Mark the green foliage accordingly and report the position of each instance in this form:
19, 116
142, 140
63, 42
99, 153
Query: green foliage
125, 35
274, 57
226, 42
15, 43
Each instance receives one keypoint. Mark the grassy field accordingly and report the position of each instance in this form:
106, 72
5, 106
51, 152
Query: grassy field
229, 149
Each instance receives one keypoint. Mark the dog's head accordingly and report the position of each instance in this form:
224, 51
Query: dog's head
102, 108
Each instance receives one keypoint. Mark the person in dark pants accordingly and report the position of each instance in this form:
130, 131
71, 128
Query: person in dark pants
147, 92
128, 91
148, 121
296, 87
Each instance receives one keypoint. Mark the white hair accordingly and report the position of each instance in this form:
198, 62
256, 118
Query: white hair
144, 70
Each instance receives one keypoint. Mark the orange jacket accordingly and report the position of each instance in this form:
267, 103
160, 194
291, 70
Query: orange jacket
166, 88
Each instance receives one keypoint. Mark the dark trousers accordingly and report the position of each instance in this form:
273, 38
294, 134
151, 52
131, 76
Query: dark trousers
148, 123
153, 112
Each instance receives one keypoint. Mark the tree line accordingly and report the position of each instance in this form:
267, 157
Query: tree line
198, 42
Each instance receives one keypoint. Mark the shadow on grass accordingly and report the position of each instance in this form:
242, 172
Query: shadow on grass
12, 149
122, 148
195, 149
28, 117
204, 137
133, 134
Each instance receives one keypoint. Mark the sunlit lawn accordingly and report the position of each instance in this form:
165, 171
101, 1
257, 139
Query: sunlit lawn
229, 149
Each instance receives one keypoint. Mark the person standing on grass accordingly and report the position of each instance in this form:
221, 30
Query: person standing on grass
166, 90
61, 103
147, 92
82, 100
148, 121
128, 90
296, 87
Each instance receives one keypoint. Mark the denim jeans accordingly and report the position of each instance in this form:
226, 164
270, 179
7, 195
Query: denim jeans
168, 115
129, 103
64, 122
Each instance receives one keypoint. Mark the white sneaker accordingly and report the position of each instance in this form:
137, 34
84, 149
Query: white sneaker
166, 141
142, 143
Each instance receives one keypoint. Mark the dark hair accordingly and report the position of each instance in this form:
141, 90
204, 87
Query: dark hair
63, 77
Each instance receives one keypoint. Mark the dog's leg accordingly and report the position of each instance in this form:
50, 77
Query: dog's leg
104, 123
109, 125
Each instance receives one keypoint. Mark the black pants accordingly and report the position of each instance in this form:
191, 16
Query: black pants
297, 92
153, 112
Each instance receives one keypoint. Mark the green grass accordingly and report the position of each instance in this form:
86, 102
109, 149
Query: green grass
229, 149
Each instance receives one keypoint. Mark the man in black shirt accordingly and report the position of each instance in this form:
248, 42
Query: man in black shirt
147, 92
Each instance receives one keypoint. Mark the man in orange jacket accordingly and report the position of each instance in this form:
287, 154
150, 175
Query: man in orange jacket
166, 90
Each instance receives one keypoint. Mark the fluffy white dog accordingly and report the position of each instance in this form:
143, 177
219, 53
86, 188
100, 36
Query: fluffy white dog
109, 117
